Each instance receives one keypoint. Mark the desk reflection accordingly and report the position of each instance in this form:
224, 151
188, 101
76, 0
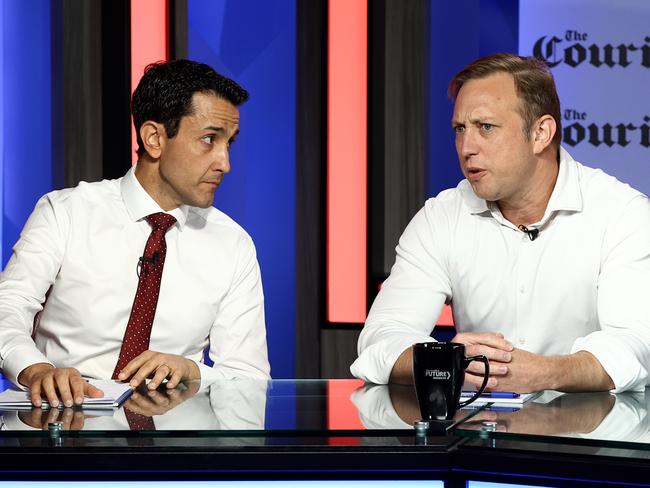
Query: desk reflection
391, 406
602, 416
222, 405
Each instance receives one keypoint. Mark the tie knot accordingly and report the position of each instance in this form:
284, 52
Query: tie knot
161, 221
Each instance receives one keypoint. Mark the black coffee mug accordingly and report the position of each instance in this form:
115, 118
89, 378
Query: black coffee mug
439, 373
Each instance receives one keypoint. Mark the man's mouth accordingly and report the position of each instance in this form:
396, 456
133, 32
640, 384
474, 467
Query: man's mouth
214, 183
473, 174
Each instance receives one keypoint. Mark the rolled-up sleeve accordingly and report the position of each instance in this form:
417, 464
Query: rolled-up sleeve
622, 346
410, 300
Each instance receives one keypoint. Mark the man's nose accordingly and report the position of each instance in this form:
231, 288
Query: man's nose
467, 143
222, 160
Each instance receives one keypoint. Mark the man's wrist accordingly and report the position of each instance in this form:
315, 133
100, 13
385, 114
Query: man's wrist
576, 372
554, 369
195, 371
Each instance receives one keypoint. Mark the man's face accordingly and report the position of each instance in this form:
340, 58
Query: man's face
494, 154
193, 163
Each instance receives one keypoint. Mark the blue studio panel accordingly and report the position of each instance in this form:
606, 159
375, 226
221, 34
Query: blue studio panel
460, 32
254, 43
26, 102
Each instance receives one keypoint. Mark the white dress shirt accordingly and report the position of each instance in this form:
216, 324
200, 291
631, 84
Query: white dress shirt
83, 245
582, 285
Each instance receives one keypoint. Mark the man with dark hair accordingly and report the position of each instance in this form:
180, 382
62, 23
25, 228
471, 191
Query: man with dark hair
90, 259
546, 262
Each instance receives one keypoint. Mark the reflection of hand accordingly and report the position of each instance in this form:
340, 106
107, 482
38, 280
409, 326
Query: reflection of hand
404, 403
38, 418
66, 384
576, 412
156, 402
158, 366
491, 345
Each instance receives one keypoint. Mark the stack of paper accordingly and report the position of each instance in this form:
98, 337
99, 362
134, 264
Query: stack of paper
114, 394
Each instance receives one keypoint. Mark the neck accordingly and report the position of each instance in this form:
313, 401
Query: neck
530, 205
147, 174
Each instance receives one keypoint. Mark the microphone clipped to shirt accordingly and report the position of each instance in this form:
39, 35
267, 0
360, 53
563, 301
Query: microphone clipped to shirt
144, 262
531, 233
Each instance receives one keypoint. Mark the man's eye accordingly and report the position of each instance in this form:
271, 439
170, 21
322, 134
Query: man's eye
208, 139
487, 127
459, 129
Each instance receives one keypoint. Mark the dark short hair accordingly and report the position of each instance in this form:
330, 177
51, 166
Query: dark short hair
534, 85
165, 92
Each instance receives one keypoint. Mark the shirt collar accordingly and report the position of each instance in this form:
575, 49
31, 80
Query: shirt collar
476, 205
566, 194
139, 203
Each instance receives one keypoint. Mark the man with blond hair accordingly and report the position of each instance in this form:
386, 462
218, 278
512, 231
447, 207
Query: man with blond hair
546, 262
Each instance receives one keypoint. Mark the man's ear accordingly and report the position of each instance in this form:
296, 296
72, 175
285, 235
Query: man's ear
153, 138
543, 132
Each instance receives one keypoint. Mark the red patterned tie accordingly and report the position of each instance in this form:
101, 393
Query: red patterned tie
138, 330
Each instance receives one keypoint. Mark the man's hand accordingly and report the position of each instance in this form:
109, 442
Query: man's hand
155, 402
489, 344
158, 366
528, 372
492, 345
56, 385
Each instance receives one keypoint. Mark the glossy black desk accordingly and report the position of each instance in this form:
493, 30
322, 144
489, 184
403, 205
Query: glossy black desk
334, 430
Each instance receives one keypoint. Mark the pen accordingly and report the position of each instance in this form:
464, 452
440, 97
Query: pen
493, 394
500, 394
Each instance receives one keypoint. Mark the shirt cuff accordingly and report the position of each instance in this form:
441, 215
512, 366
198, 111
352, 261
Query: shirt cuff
22, 357
208, 374
211, 374
375, 363
629, 374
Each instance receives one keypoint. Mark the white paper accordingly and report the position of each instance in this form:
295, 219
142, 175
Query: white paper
114, 394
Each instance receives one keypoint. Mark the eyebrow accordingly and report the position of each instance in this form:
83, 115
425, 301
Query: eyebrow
474, 121
213, 128
219, 129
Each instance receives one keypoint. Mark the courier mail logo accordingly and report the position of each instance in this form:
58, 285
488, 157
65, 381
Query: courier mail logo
573, 49
436, 374
577, 129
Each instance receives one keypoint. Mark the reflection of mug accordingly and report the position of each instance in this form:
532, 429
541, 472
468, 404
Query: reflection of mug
439, 372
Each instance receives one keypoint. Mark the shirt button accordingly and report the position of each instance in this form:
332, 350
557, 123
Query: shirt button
522, 289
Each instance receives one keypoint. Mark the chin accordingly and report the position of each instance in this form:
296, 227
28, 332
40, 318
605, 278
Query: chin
199, 203
205, 204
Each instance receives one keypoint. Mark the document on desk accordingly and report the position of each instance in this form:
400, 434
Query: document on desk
114, 394
500, 398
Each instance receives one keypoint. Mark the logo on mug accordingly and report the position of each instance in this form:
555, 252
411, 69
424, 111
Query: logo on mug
436, 374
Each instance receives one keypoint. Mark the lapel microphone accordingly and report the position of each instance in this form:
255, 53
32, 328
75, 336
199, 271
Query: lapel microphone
531, 233
144, 261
